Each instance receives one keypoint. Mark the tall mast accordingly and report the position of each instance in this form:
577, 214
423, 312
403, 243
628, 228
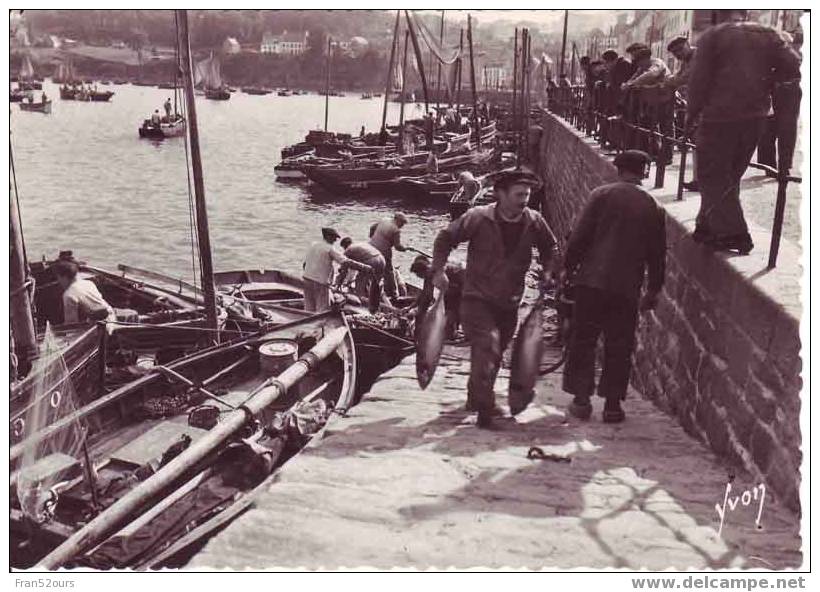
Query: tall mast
327, 83
203, 235
472, 82
390, 68
419, 60
515, 90
438, 76
460, 62
564, 42
403, 78
22, 321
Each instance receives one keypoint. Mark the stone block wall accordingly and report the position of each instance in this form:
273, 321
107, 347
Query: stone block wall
719, 353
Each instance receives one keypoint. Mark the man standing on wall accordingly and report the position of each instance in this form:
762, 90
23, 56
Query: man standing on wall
619, 236
501, 237
729, 96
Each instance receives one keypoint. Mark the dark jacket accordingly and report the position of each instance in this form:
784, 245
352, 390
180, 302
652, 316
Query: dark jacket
621, 234
734, 70
491, 275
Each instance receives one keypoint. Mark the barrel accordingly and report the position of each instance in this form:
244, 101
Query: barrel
276, 356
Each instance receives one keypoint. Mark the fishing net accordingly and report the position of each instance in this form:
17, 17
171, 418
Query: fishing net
56, 458
444, 54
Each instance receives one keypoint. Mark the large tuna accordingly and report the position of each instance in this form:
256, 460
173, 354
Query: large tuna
430, 340
527, 351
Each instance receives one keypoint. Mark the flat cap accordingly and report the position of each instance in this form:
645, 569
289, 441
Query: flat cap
327, 231
632, 160
676, 41
637, 47
509, 178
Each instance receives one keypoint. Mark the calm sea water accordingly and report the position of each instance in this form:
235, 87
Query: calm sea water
87, 182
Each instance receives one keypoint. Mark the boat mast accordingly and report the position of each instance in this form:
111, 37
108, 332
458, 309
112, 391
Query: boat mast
203, 235
438, 76
515, 91
327, 82
419, 60
390, 69
472, 82
403, 79
22, 320
564, 42
460, 63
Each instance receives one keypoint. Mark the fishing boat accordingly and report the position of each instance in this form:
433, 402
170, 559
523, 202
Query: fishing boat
252, 90
208, 75
16, 95
173, 128
284, 92
460, 202
117, 482
434, 187
274, 296
27, 78
100, 96
40, 107
382, 176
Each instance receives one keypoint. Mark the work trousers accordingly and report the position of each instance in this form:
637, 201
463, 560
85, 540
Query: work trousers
724, 150
777, 143
371, 285
599, 312
317, 296
389, 274
489, 329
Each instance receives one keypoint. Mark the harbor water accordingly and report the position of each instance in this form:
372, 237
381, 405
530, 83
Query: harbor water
88, 183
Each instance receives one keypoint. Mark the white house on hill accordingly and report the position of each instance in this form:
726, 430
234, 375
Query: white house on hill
231, 46
286, 43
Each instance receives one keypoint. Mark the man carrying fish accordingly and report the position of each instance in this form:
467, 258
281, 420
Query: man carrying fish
619, 237
318, 270
501, 237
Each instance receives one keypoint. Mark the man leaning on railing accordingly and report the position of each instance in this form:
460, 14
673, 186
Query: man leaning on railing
729, 98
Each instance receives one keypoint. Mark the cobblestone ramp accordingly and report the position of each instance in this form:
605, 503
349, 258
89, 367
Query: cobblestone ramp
408, 481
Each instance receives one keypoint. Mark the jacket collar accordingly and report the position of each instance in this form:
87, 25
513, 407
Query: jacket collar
488, 212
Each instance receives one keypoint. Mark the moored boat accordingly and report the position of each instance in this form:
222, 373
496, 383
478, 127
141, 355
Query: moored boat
173, 128
252, 90
41, 107
104, 484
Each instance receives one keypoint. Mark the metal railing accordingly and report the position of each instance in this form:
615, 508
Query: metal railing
650, 119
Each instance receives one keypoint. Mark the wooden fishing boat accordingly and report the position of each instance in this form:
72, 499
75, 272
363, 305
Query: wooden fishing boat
436, 187
41, 107
165, 129
100, 96
252, 90
27, 79
171, 450
217, 94
274, 296
380, 178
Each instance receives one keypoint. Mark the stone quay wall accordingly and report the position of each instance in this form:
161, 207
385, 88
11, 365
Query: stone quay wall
721, 352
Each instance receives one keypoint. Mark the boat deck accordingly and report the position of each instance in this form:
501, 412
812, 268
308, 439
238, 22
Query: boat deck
406, 480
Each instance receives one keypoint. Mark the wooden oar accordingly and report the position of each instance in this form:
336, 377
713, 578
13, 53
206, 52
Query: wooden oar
113, 518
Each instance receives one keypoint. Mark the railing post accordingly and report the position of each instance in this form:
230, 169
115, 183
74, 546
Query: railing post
779, 210
684, 150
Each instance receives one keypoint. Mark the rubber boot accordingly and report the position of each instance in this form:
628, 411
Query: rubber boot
613, 413
580, 407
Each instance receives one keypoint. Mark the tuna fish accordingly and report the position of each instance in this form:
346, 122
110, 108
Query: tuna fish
526, 359
430, 340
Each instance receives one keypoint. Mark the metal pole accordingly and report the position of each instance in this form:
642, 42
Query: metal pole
564, 42
209, 293
327, 83
390, 69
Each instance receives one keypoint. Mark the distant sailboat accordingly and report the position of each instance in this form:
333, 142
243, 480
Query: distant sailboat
27, 77
208, 75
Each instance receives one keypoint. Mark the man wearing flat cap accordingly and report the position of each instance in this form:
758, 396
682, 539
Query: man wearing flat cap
501, 237
318, 270
619, 238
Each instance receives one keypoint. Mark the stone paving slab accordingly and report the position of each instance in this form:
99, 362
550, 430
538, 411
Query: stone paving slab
408, 481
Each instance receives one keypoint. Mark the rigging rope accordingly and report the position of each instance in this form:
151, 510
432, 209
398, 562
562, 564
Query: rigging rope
446, 56
196, 260
17, 200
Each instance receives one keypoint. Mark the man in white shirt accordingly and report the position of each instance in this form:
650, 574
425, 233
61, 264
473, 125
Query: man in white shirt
82, 300
318, 270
